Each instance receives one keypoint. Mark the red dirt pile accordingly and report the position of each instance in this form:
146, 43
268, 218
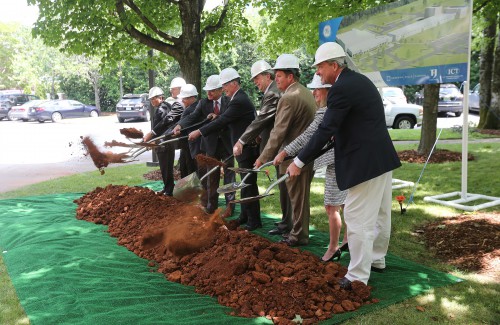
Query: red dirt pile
244, 271
102, 159
132, 133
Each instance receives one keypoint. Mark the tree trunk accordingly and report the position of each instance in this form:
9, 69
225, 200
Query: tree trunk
493, 113
191, 67
429, 120
486, 69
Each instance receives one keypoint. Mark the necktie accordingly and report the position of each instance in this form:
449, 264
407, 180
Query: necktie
216, 107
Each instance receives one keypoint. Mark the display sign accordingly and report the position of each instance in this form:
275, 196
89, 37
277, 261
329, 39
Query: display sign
409, 42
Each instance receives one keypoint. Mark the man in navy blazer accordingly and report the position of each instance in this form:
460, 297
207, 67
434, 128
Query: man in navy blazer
364, 160
237, 117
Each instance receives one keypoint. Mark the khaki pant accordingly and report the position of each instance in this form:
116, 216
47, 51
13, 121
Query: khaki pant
299, 191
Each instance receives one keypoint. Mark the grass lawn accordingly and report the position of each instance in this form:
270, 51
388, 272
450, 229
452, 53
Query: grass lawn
474, 301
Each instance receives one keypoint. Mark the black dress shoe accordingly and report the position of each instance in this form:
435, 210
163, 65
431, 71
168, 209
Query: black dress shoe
252, 228
242, 221
275, 231
335, 255
377, 269
345, 283
344, 247
291, 242
277, 223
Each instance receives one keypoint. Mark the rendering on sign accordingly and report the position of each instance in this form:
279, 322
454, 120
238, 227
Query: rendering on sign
406, 42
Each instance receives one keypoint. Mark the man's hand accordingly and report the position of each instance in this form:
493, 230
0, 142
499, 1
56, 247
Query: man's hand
177, 130
147, 137
279, 158
212, 116
194, 135
237, 149
293, 170
257, 163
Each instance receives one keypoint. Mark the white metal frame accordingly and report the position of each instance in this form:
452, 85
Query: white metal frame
465, 197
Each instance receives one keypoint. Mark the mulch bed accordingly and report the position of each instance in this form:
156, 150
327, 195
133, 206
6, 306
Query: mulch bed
471, 242
438, 156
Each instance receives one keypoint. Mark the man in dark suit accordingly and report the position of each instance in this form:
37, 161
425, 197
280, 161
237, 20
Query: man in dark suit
216, 145
187, 163
364, 160
238, 115
165, 116
263, 77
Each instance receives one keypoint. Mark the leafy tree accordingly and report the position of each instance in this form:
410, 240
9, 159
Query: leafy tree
124, 29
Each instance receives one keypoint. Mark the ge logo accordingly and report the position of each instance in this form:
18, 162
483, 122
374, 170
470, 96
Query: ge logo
327, 31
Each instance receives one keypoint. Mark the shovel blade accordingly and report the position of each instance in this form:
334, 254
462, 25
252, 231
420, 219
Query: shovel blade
230, 188
188, 189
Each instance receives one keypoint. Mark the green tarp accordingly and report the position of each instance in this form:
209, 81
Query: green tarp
68, 271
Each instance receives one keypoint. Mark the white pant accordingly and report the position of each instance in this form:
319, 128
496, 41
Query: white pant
367, 214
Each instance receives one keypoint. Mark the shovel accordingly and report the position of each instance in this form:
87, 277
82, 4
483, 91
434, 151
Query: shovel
189, 188
261, 196
267, 193
140, 151
233, 187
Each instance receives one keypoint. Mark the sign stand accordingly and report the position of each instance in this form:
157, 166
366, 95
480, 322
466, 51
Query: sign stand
463, 196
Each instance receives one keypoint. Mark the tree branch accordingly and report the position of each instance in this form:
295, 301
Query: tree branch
148, 22
209, 29
140, 36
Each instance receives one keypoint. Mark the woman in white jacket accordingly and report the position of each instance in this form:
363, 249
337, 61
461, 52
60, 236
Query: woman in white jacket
334, 198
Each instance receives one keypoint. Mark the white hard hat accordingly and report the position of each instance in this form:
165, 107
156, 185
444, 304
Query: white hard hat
227, 75
188, 90
177, 82
213, 82
286, 62
327, 51
259, 67
155, 91
316, 83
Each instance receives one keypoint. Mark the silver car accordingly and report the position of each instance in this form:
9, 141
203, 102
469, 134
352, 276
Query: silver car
22, 112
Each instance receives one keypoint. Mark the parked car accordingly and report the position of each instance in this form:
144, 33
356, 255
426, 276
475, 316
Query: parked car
474, 99
56, 110
133, 106
14, 100
22, 112
402, 116
5, 106
394, 94
450, 99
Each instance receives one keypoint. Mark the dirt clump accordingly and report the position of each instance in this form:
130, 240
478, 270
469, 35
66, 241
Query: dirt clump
250, 274
102, 159
115, 143
471, 242
132, 133
209, 162
438, 156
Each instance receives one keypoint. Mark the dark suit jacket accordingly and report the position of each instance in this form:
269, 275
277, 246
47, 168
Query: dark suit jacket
264, 122
355, 117
209, 142
194, 146
238, 115
164, 118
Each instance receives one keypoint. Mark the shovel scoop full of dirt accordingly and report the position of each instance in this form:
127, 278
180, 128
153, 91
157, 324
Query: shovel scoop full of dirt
187, 236
132, 133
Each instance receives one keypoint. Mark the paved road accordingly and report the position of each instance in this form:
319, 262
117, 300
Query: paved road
31, 152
